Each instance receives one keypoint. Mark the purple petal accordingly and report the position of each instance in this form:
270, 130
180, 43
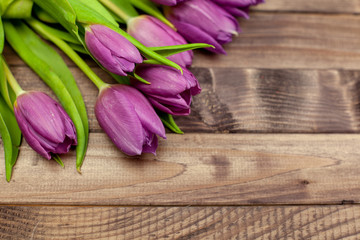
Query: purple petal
117, 44
29, 137
151, 145
196, 35
102, 54
153, 33
117, 117
40, 111
237, 12
147, 115
164, 80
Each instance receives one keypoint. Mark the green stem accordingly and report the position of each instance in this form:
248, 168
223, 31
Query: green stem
42, 30
12, 81
115, 9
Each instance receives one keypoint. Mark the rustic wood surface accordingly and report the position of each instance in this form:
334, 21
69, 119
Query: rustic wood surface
271, 149
260, 222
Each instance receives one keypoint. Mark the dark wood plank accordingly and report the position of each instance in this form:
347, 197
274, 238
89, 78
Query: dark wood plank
291, 222
321, 6
253, 100
201, 169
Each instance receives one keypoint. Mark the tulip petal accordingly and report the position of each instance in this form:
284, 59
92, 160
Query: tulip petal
145, 112
169, 108
117, 116
151, 145
195, 35
153, 33
41, 113
102, 54
237, 12
117, 44
164, 80
31, 140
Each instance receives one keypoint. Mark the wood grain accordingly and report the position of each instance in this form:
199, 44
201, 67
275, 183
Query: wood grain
283, 222
253, 100
319, 6
291, 41
201, 169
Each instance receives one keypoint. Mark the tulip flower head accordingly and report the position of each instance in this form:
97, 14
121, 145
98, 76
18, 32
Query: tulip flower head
113, 51
44, 124
202, 21
169, 91
153, 33
128, 119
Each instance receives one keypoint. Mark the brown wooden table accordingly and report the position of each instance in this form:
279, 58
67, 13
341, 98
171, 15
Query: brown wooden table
271, 149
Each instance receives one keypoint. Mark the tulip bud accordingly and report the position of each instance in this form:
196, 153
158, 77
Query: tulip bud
168, 2
44, 124
203, 21
153, 33
128, 119
169, 91
113, 51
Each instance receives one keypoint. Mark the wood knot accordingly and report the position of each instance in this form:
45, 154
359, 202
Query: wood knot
305, 182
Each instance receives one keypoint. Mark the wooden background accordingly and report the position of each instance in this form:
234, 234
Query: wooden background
271, 149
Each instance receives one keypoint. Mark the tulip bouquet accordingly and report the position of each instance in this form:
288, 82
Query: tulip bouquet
146, 54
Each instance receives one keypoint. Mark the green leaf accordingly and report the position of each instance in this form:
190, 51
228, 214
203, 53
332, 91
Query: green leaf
43, 16
121, 79
58, 33
4, 90
58, 160
62, 12
121, 8
91, 12
11, 136
78, 48
2, 36
151, 9
137, 77
47, 63
18, 9
169, 122
4, 5
171, 50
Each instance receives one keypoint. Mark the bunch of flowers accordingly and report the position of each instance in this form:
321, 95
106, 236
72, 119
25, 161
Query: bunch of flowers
147, 54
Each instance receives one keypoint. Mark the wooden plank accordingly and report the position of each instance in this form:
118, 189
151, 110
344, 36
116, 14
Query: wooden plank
253, 100
321, 6
291, 222
291, 41
201, 169
283, 41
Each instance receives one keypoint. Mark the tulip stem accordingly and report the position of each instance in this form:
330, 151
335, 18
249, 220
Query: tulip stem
12, 81
42, 30
115, 9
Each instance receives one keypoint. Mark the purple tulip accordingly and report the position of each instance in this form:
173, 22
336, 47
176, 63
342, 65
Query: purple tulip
202, 21
44, 123
169, 91
168, 2
113, 51
128, 119
153, 33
